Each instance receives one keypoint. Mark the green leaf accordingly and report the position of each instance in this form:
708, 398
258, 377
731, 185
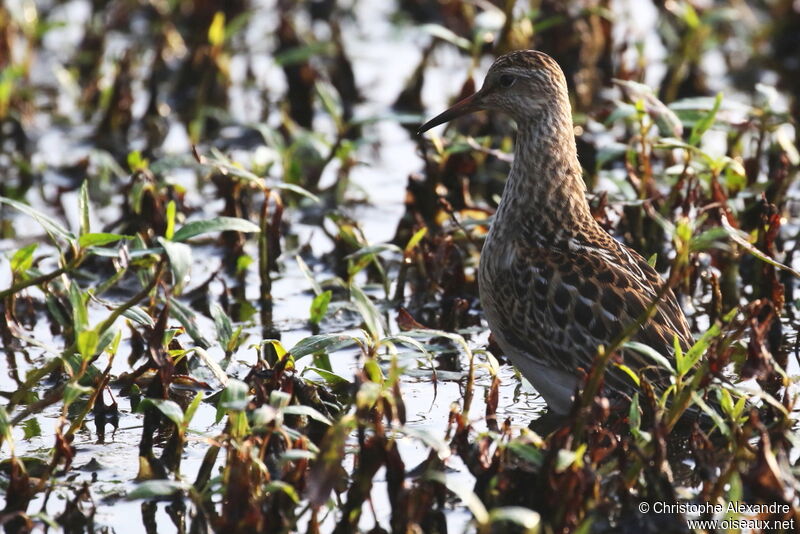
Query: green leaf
630, 372
238, 23
22, 260
370, 251
319, 306
100, 239
524, 517
280, 351
635, 417
5, 426
735, 493
284, 487
368, 394
709, 239
86, 342
180, 261
55, 309
223, 325
329, 376
740, 237
294, 188
307, 411
788, 146
80, 315
304, 268
671, 142
326, 472
650, 352
235, 337
292, 455
218, 372
217, 224
373, 371
741, 404
313, 344
358, 263
192, 408
680, 357
216, 30
228, 167
83, 207
185, 316
527, 451
139, 316
645, 99
705, 103
279, 399
301, 54
136, 162
158, 488
440, 32
322, 360
415, 239
234, 398
242, 263
72, 391
170, 409
171, 209
705, 123
50, 225
406, 340
690, 16
263, 416
697, 350
113, 345
372, 317
623, 110
725, 401
683, 231
135, 253
566, 458
330, 101
721, 424
31, 428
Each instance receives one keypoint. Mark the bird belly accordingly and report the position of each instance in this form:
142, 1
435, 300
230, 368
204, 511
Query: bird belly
556, 386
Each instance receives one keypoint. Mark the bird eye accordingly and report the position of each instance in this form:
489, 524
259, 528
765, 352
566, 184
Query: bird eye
507, 80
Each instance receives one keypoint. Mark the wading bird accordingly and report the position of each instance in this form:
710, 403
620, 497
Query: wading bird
554, 285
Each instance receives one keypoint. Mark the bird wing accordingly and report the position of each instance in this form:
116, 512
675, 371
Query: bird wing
559, 305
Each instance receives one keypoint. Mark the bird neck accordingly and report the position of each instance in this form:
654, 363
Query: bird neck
545, 187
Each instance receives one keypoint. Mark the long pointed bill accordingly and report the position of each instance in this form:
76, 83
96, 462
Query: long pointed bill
462, 107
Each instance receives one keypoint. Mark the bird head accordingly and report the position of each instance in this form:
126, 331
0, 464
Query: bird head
520, 83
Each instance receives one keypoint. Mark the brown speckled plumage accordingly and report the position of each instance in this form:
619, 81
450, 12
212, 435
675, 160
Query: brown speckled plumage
553, 284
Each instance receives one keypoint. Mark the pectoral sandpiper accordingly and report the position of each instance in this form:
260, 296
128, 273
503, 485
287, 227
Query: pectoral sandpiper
554, 285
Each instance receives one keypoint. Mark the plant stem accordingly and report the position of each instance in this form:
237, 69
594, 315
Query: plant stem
44, 278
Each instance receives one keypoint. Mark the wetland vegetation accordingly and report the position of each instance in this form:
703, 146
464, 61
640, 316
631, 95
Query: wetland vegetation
238, 292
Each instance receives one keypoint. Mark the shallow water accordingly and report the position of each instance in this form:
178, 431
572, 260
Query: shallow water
383, 58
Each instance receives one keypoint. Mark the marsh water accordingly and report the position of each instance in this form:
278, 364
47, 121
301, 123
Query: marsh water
383, 58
